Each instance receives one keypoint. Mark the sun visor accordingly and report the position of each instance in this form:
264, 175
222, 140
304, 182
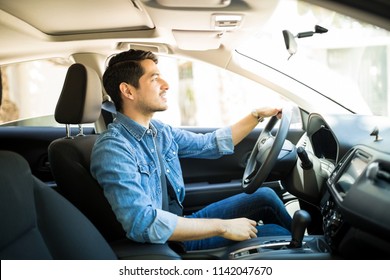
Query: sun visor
197, 40
194, 3
77, 17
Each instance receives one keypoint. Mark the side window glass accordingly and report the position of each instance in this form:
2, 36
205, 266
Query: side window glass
30, 91
207, 96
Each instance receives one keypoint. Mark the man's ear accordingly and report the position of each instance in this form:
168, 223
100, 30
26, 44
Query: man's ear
126, 90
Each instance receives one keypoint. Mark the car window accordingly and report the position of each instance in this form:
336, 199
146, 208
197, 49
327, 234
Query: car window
203, 95
199, 94
30, 91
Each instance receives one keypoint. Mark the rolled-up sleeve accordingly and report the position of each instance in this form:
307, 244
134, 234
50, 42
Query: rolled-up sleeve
209, 145
162, 227
224, 140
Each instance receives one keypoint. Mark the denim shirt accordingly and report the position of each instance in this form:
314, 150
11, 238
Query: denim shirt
125, 163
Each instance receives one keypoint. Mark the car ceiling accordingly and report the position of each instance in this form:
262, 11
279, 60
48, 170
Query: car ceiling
58, 28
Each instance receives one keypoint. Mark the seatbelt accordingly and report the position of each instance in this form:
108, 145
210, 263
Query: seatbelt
176, 246
169, 198
163, 179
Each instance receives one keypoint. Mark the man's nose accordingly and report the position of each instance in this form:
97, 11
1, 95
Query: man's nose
164, 84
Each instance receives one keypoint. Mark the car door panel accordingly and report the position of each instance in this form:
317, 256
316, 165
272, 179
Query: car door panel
32, 143
208, 181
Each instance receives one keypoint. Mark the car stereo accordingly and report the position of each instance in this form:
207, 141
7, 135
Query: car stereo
347, 171
340, 182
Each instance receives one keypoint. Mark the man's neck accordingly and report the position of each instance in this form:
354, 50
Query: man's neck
141, 119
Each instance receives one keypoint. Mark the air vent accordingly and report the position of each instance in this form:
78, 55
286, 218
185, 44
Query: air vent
375, 171
383, 174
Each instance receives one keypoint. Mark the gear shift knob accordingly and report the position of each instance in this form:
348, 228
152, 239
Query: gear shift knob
300, 221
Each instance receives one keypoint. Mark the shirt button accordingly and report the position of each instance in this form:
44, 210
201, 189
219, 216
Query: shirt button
178, 190
152, 150
148, 131
168, 170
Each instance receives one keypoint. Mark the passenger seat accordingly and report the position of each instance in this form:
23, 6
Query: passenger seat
38, 223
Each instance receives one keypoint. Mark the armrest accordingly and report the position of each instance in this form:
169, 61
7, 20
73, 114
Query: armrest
129, 250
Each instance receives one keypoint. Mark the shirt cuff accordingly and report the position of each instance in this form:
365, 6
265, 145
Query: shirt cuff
162, 227
225, 140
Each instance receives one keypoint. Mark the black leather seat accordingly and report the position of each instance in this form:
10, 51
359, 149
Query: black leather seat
80, 102
38, 223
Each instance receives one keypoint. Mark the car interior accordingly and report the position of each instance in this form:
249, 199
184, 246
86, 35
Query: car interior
333, 170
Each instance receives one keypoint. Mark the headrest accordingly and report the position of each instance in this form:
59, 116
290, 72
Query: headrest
81, 96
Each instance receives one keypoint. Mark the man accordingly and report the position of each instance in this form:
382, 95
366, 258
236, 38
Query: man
126, 163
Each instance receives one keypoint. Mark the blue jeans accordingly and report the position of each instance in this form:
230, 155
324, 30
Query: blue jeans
264, 204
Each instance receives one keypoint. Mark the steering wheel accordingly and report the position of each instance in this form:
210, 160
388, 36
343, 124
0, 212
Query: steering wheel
265, 152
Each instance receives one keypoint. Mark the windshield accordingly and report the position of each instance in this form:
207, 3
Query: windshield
349, 63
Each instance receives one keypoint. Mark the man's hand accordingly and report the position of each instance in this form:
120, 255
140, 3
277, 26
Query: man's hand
266, 112
239, 229
243, 127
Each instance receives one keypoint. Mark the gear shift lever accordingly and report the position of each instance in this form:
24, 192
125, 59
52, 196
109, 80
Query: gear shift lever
300, 221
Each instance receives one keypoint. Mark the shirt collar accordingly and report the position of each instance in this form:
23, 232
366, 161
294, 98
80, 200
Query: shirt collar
137, 130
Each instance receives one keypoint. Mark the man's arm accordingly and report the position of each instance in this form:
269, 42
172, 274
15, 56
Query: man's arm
194, 229
243, 127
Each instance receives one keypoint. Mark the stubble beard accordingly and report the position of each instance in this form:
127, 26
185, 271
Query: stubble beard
148, 109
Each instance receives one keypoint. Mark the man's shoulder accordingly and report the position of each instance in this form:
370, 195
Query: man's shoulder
160, 125
112, 130
111, 135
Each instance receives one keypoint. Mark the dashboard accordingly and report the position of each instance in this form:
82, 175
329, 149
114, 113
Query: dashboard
355, 197
347, 183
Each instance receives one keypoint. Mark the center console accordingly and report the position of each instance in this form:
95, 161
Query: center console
339, 184
313, 247
356, 223
296, 246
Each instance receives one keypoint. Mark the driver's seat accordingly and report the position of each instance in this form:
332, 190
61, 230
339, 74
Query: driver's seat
80, 103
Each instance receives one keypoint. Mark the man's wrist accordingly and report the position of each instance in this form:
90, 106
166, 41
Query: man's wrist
257, 115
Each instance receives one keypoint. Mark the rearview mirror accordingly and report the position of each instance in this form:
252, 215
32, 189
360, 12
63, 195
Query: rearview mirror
289, 38
290, 43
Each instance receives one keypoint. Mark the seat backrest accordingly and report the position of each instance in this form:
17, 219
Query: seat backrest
80, 102
38, 223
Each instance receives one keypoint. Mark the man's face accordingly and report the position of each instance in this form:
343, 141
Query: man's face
151, 94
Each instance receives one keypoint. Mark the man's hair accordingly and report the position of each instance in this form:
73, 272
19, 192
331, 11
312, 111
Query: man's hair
124, 67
